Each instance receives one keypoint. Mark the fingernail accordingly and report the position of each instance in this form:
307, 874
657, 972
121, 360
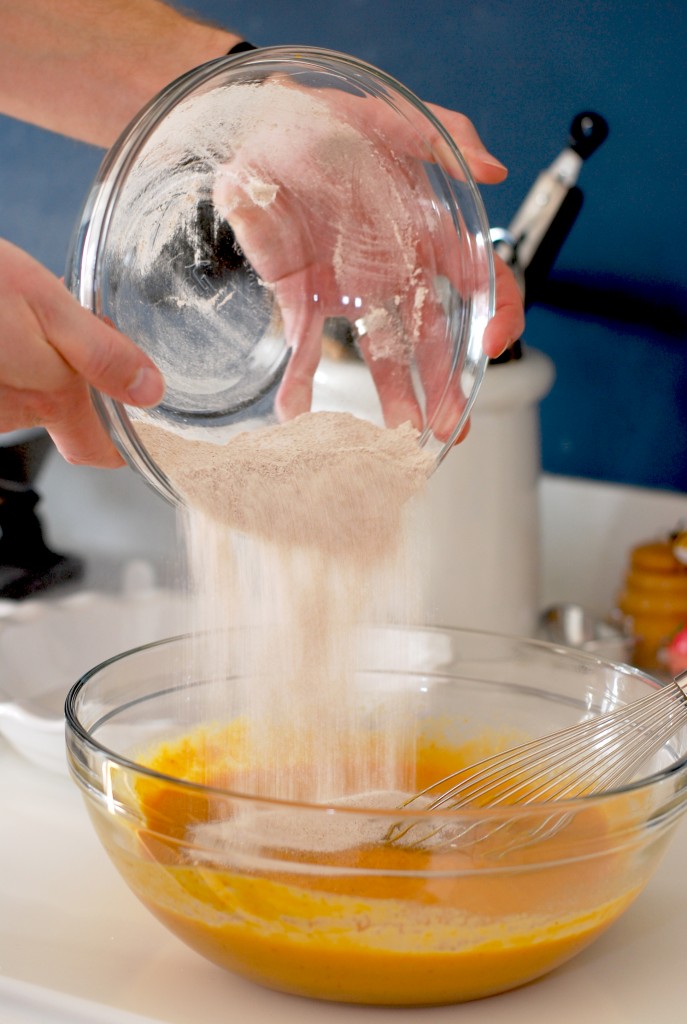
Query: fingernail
485, 157
147, 387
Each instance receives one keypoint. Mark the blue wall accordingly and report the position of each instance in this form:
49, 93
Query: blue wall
615, 320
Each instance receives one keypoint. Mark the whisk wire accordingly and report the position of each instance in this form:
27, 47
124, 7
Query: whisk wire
569, 751
599, 754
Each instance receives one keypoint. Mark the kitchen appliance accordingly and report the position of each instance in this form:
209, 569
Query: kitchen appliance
27, 564
483, 515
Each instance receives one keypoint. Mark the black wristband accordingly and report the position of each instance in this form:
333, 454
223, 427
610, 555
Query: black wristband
241, 47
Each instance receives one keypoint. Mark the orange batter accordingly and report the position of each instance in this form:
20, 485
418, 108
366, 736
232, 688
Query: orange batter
457, 925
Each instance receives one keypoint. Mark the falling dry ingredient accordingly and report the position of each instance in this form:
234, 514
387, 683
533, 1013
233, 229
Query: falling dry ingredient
301, 530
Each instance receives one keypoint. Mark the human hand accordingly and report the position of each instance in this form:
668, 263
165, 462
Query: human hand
51, 350
320, 205
508, 322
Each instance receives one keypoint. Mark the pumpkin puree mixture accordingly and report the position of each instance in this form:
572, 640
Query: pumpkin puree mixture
361, 933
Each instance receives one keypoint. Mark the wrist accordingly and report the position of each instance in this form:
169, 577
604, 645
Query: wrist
177, 47
187, 46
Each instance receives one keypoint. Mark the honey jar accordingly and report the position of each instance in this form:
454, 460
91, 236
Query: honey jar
654, 600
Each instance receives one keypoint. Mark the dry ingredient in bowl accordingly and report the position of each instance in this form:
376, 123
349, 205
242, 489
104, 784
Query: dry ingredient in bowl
302, 530
301, 832
325, 481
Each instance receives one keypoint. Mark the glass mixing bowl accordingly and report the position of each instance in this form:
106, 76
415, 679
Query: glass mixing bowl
314, 899
282, 231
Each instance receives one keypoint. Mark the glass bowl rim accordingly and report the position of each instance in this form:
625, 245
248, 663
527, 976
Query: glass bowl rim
515, 811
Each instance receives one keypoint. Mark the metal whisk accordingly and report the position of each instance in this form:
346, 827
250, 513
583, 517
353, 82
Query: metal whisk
600, 754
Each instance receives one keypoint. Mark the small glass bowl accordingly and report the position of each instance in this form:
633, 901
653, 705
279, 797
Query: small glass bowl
282, 216
373, 923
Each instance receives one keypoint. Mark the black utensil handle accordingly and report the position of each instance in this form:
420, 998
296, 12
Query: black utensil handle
587, 132
541, 264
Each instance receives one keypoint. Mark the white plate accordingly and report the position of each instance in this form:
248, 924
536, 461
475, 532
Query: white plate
47, 645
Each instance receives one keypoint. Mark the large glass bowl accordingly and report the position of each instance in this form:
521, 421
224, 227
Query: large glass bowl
285, 216
375, 922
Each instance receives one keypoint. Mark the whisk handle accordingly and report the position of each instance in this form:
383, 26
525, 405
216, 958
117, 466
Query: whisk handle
680, 681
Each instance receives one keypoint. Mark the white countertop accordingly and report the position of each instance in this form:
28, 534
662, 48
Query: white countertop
76, 947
